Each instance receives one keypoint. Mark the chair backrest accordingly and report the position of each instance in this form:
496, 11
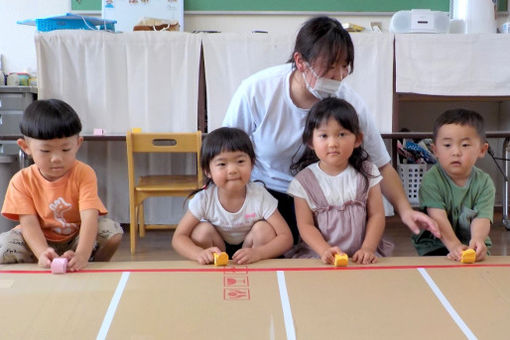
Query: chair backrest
185, 142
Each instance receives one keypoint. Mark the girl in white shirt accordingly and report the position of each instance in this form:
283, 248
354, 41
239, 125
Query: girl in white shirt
231, 213
337, 196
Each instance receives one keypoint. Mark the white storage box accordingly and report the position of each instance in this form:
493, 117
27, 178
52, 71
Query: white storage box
411, 175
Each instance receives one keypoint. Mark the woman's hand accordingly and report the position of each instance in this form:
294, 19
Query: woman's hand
416, 220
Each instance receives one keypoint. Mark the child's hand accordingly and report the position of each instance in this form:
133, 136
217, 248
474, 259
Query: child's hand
206, 255
455, 253
364, 256
46, 257
246, 256
76, 261
328, 255
480, 249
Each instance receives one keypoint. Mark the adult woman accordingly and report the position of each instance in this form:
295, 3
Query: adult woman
271, 106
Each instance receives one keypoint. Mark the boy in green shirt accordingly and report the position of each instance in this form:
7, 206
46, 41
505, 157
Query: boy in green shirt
455, 193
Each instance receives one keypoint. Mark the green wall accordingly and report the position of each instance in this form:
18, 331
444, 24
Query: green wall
297, 5
320, 5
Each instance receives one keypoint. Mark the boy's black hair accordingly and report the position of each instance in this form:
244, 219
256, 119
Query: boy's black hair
345, 114
224, 139
324, 37
49, 119
460, 117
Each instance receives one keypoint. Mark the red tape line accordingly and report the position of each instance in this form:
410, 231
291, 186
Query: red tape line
246, 269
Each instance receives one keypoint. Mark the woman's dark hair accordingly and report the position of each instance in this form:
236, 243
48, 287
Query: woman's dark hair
324, 37
224, 139
345, 114
49, 119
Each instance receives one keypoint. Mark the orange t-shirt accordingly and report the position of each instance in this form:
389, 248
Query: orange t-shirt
57, 204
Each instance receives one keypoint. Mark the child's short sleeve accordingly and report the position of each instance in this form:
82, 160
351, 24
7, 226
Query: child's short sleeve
431, 192
376, 175
88, 196
196, 204
268, 204
17, 200
296, 189
484, 204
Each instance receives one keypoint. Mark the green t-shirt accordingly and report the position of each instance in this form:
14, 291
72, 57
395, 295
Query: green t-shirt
462, 204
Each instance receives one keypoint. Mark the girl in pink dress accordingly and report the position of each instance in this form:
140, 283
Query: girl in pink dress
338, 200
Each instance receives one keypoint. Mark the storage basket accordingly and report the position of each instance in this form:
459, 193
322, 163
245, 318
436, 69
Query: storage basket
411, 175
70, 22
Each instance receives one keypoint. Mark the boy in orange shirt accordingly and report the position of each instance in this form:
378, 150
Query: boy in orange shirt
55, 199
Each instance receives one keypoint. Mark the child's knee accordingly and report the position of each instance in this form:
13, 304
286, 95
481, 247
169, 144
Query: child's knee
13, 248
261, 233
204, 235
108, 228
115, 240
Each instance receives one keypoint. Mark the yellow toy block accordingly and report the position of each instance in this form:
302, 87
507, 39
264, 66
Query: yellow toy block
341, 260
136, 130
220, 259
468, 256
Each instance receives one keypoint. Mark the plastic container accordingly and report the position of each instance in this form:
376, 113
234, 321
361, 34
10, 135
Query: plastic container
411, 175
69, 22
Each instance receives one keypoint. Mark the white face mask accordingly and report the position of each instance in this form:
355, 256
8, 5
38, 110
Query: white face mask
324, 87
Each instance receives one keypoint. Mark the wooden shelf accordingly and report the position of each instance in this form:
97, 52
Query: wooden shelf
103, 138
414, 97
421, 135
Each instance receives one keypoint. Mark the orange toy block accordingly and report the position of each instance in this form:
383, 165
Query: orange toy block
341, 260
220, 259
136, 130
468, 256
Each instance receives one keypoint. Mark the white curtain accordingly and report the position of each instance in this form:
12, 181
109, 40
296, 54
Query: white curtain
373, 75
229, 58
150, 80
117, 82
453, 64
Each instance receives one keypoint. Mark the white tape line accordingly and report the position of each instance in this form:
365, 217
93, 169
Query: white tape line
287, 312
446, 304
110, 313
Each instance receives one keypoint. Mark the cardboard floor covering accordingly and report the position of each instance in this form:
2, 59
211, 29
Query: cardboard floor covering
397, 298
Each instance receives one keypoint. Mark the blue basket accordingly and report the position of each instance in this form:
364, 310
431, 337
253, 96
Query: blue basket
71, 22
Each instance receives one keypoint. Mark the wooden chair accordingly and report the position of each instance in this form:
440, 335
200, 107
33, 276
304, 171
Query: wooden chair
158, 185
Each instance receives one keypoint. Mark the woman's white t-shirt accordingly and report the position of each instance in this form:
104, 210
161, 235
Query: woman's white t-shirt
262, 107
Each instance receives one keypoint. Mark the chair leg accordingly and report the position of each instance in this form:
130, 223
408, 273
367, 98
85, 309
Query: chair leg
141, 219
132, 227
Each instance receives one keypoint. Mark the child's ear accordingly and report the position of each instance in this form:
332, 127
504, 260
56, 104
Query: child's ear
483, 150
359, 140
433, 148
80, 141
22, 143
